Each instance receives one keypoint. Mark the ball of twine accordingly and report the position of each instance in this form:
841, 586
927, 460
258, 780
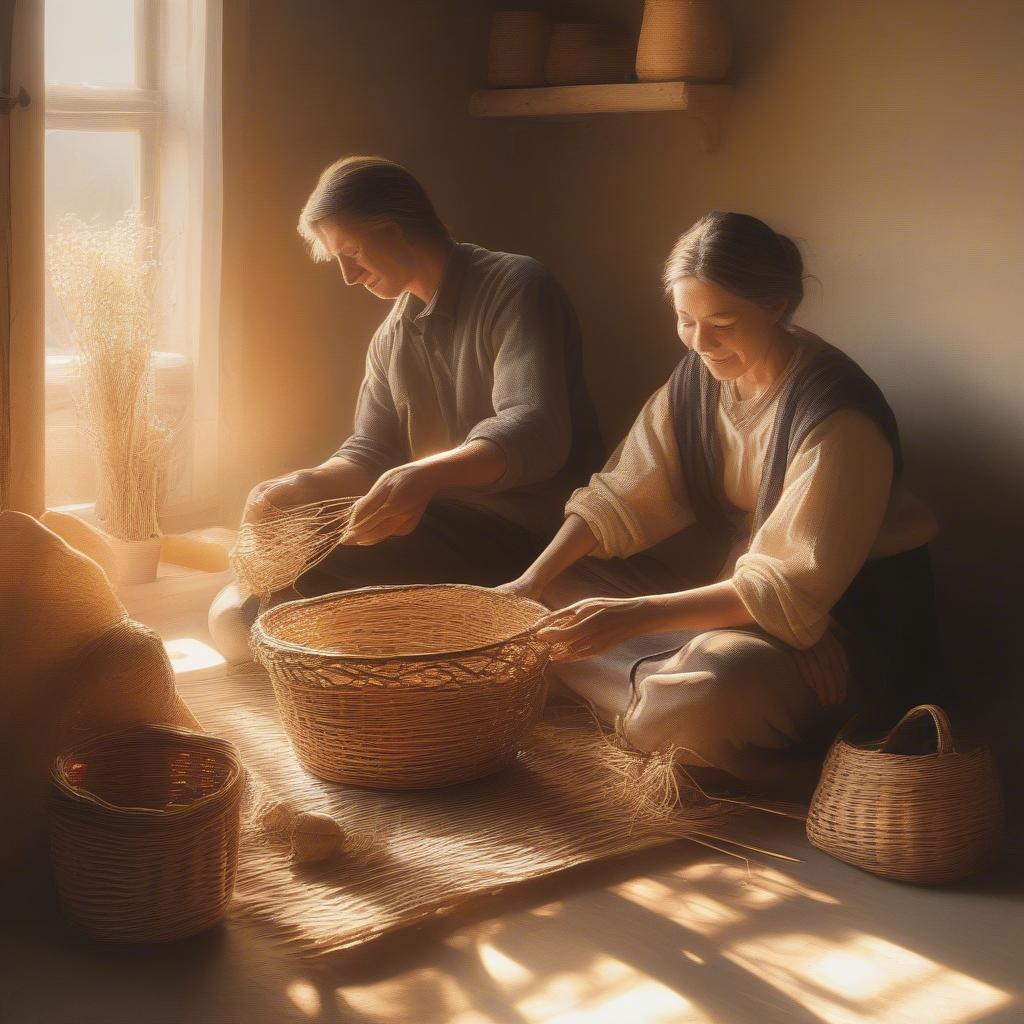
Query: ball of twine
316, 837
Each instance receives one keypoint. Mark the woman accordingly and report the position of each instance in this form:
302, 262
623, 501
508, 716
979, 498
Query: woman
780, 444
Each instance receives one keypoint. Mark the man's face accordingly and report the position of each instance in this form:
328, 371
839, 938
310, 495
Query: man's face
378, 258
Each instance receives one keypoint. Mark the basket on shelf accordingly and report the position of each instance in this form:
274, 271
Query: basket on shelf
405, 687
588, 53
144, 827
911, 807
683, 40
515, 55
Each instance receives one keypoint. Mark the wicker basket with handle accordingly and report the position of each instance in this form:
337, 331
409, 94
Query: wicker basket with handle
912, 807
144, 827
405, 687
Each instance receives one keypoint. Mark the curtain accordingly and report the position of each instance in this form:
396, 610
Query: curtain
21, 256
6, 28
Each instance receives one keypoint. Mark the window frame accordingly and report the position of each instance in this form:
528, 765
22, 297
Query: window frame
148, 108
135, 108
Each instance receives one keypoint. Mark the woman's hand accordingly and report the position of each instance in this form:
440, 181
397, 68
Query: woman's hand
393, 507
596, 624
825, 668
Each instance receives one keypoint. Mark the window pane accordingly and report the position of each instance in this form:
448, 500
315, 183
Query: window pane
94, 175
90, 42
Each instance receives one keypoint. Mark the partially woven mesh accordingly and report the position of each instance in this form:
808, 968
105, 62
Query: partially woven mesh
272, 554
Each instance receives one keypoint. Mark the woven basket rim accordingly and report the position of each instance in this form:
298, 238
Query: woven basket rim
82, 795
844, 746
261, 635
867, 747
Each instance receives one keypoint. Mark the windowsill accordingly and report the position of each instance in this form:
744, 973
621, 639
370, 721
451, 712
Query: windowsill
185, 519
176, 592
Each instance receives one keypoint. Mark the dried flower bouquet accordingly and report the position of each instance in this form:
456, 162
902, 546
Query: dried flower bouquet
104, 278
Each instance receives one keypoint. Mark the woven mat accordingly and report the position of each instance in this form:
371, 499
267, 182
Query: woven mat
550, 811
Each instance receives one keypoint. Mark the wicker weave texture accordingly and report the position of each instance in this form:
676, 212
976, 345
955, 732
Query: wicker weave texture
683, 40
405, 687
515, 56
927, 817
144, 831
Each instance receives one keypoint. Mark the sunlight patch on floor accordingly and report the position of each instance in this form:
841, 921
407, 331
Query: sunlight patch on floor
864, 978
603, 991
686, 905
509, 973
426, 994
189, 655
305, 997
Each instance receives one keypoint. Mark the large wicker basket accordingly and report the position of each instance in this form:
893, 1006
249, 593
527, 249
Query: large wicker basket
405, 687
910, 807
144, 831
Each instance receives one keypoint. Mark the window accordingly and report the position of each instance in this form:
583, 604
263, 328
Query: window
133, 122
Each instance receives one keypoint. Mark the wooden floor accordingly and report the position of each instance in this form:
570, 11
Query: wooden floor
677, 934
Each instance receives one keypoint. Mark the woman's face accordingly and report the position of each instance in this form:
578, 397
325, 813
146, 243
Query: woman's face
378, 258
731, 335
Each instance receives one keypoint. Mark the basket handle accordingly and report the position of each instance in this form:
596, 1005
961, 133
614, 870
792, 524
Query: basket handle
943, 730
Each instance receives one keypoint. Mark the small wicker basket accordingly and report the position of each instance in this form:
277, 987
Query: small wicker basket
911, 807
405, 687
144, 829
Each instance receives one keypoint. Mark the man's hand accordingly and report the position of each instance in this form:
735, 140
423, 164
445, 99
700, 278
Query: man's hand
336, 478
288, 491
596, 624
394, 505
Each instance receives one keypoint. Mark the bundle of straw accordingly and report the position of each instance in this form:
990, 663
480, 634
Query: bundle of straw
104, 277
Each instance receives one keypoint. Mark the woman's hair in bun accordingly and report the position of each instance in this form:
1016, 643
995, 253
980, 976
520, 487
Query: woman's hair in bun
741, 254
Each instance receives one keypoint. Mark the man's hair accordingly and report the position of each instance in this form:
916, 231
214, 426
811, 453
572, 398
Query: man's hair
372, 191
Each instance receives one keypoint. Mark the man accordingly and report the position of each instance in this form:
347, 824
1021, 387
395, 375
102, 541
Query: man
473, 423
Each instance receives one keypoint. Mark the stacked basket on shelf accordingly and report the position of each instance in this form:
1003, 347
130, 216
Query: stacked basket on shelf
518, 42
680, 40
588, 53
683, 40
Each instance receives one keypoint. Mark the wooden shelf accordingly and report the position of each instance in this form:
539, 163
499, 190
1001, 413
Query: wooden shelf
705, 103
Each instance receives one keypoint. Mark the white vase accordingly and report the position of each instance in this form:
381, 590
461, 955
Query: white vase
137, 560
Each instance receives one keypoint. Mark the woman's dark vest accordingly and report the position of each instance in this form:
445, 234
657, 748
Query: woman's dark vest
890, 604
